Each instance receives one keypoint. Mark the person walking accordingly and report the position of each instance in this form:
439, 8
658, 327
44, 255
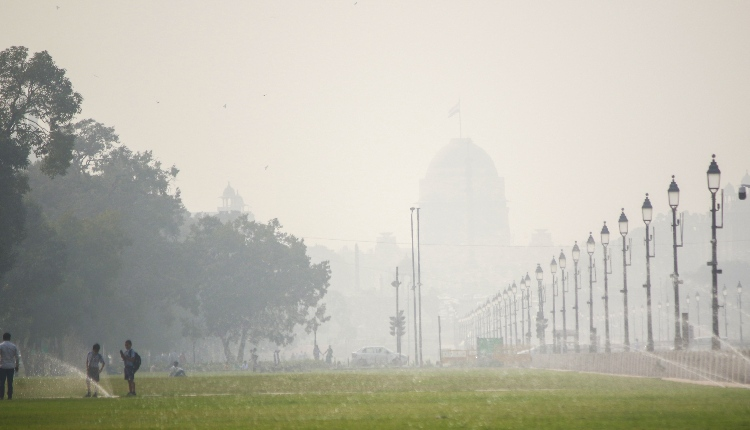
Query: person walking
94, 366
10, 358
316, 352
329, 355
129, 358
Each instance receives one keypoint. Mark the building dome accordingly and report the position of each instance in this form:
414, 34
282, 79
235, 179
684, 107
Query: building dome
453, 158
462, 197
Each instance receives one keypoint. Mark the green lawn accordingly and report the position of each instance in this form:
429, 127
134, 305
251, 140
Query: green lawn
430, 398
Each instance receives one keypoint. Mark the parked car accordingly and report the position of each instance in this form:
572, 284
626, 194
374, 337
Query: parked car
378, 355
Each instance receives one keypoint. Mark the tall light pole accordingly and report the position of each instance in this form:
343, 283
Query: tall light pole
623, 223
674, 201
523, 308
513, 290
553, 270
686, 336
576, 256
605, 242
528, 307
659, 312
562, 261
414, 290
506, 303
396, 321
714, 175
698, 310
541, 322
590, 248
648, 211
739, 307
726, 327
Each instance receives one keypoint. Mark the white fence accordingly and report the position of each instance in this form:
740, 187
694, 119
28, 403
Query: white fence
716, 367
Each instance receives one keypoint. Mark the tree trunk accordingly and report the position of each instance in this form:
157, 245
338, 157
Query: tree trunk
227, 352
241, 352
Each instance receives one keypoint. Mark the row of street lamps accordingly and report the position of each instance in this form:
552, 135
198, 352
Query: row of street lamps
492, 313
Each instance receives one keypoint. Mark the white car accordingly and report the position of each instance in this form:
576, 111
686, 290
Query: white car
378, 355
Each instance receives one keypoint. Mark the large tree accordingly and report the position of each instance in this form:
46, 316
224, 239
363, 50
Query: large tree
130, 196
37, 105
255, 281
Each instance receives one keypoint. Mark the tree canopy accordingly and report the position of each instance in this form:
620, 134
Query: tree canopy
37, 105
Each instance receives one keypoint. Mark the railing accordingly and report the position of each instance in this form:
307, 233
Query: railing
719, 368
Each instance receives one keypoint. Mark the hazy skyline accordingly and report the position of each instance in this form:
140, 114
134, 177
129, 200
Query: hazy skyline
583, 106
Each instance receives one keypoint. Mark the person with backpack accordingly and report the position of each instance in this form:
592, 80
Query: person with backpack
132, 364
94, 366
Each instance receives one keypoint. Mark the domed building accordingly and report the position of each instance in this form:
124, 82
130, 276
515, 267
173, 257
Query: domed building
462, 198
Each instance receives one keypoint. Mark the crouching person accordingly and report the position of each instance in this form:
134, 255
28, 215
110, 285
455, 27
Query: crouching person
175, 370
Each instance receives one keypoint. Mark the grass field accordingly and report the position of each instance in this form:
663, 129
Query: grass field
389, 398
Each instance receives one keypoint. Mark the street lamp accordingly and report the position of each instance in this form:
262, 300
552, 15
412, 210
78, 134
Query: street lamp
576, 256
714, 175
698, 310
687, 335
623, 223
523, 308
541, 322
674, 201
739, 307
562, 261
553, 270
528, 307
648, 211
513, 290
592, 331
726, 330
605, 241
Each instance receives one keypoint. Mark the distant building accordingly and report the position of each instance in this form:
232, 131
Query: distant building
231, 201
462, 198
232, 206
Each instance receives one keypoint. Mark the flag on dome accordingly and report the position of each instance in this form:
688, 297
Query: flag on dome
455, 109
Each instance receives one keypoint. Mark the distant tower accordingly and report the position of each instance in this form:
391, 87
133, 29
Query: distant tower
463, 198
231, 201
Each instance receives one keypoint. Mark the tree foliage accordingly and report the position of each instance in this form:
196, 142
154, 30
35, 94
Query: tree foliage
37, 105
255, 281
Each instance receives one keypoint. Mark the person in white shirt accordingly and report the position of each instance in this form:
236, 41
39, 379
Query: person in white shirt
94, 366
175, 370
9, 361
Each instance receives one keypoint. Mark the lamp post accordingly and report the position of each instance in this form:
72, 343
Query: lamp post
523, 308
562, 261
739, 307
513, 290
687, 335
714, 175
414, 290
590, 247
674, 201
726, 329
576, 256
528, 307
419, 292
659, 312
648, 211
541, 322
623, 223
553, 270
605, 242
698, 311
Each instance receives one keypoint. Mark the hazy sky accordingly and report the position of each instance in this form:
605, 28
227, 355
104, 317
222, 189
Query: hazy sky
583, 106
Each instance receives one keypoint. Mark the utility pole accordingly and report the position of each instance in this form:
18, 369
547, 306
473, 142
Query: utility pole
419, 288
396, 328
414, 291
